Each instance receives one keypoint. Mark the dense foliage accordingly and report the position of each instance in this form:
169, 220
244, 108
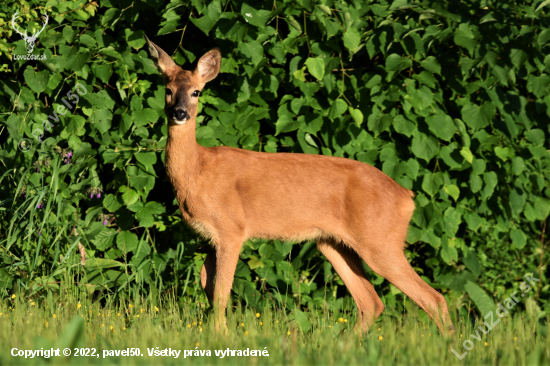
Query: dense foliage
451, 99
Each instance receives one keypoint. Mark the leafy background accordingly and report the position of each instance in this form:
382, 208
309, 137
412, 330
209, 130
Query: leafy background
451, 99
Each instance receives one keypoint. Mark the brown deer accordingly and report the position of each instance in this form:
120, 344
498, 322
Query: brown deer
353, 210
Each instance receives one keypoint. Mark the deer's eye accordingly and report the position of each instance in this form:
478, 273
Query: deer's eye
168, 92
195, 93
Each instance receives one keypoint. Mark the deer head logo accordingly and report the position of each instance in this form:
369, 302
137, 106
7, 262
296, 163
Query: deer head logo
29, 40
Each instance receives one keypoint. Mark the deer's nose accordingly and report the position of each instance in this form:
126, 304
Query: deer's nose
180, 114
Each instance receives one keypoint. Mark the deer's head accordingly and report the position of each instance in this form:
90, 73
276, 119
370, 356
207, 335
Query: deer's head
29, 40
183, 87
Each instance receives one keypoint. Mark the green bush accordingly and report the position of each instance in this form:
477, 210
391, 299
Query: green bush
451, 99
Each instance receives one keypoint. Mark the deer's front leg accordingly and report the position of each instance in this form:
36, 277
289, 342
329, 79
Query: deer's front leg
227, 256
208, 273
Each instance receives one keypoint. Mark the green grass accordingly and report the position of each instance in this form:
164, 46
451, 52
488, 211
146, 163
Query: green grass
408, 339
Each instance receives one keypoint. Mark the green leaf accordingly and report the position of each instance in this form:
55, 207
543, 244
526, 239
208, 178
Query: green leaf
37, 81
403, 125
430, 63
467, 154
253, 51
145, 218
431, 184
480, 298
472, 263
129, 196
477, 117
145, 116
352, 39
300, 74
112, 203
491, 180
316, 67
254, 262
337, 109
379, 123
135, 38
504, 153
104, 73
356, 114
102, 120
302, 321
425, 147
127, 241
146, 158
395, 62
536, 136
100, 263
452, 191
104, 240
517, 201
519, 239
442, 126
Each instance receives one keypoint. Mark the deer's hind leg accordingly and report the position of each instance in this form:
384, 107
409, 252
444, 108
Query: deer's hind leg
382, 248
349, 267
208, 273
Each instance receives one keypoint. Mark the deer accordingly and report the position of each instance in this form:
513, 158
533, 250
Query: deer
29, 41
352, 210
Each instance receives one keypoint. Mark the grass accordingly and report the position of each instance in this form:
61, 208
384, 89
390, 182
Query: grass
409, 339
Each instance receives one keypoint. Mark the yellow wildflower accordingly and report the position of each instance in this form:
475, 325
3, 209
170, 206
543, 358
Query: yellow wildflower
257, 315
123, 328
485, 344
242, 324
54, 316
117, 314
130, 305
246, 333
515, 338
142, 310
340, 320
197, 344
188, 325
288, 333
156, 309
345, 320
47, 325
200, 329
380, 338
194, 323
32, 303
79, 305
261, 323
137, 316
13, 296
200, 323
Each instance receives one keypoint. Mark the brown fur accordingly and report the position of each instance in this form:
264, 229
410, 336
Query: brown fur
353, 210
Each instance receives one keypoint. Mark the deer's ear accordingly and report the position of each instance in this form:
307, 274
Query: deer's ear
162, 61
209, 65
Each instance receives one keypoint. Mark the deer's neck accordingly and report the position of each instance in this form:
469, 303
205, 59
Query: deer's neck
182, 157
